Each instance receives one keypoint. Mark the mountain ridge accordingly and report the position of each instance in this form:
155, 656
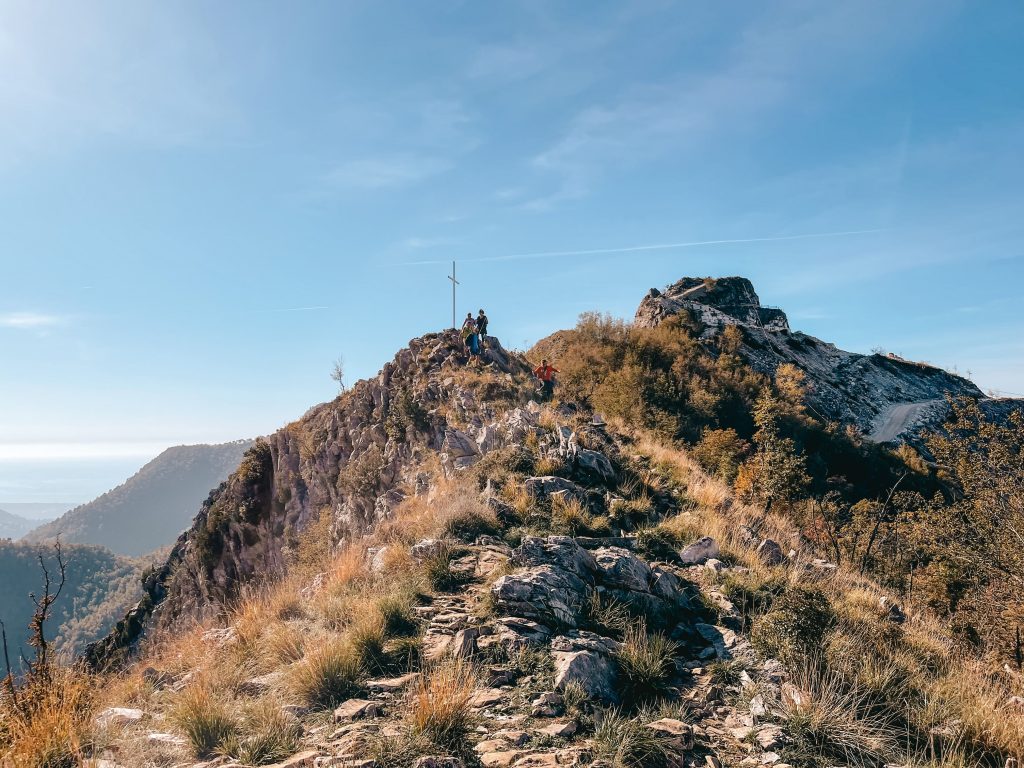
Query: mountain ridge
347, 458
149, 509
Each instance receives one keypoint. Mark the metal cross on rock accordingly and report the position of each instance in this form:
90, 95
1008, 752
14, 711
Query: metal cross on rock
454, 283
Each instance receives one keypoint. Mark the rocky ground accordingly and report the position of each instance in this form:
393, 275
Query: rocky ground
547, 627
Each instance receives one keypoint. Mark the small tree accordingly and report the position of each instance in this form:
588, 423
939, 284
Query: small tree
40, 670
338, 374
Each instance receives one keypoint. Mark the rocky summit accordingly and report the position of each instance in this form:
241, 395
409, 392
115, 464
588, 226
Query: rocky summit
888, 398
438, 569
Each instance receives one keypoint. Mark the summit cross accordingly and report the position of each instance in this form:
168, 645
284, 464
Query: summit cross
454, 283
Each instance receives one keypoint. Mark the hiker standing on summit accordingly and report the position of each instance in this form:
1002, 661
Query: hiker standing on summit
546, 374
470, 335
481, 325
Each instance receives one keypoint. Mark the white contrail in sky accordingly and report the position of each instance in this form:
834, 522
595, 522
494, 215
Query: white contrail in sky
655, 247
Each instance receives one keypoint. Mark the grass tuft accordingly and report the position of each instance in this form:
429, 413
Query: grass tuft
267, 735
329, 674
439, 705
646, 663
624, 742
205, 717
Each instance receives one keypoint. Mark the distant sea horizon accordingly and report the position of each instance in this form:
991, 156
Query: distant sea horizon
62, 481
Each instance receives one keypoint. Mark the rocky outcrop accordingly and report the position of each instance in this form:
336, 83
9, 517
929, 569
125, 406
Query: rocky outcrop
348, 457
715, 303
889, 399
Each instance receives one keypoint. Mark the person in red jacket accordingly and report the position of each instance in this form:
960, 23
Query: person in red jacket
546, 373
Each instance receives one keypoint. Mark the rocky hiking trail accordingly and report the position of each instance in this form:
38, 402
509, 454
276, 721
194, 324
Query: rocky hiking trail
544, 625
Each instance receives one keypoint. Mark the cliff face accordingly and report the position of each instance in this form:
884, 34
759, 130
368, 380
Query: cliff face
887, 398
348, 458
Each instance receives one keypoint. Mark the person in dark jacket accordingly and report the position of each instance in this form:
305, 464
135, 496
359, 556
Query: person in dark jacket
481, 324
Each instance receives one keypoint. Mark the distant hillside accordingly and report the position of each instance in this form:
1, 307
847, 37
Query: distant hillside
37, 511
152, 507
14, 526
100, 587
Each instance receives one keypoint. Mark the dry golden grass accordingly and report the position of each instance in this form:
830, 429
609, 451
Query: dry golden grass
50, 727
204, 715
330, 673
418, 517
952, 684
282, 644
439, 705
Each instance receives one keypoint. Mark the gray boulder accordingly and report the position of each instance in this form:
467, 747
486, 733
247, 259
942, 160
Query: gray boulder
560, 551
621, 569
771, 553
702, 550
545, 593
597, 464
543, 487
586, 659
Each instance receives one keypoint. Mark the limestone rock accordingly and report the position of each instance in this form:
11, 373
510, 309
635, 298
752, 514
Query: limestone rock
586, 659
698, 553
546, 594
560, 729
542, 487
771, 553
622, 569
680, 733
356, 709
597, 464
564, 552
118, 716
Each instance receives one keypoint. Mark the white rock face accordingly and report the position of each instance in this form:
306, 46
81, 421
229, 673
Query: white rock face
886, 397
702, 550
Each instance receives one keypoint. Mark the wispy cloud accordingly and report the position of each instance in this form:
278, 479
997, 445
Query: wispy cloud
400, 143
385, 172
658, 246
776, 59
29, 321
424, 243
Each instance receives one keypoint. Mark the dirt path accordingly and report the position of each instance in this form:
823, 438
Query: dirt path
892, 422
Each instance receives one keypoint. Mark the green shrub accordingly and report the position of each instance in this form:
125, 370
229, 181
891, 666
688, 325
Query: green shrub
405, 413
795, 626
720, 452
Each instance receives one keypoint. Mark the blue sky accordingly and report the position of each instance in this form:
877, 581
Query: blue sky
203, 204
